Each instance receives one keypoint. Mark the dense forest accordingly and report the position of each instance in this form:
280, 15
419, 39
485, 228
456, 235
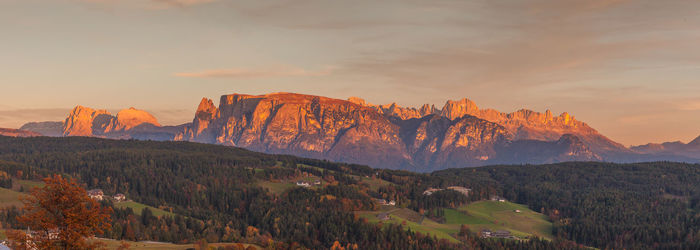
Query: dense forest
605, 205
215, 194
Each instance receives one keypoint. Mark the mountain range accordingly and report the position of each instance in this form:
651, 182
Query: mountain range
676, 148
459, 134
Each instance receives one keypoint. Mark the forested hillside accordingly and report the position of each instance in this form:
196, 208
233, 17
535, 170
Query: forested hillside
606, 205
227, 194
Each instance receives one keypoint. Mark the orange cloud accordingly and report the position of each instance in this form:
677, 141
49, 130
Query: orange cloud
688, 105
281, 71
152, 4
183, 3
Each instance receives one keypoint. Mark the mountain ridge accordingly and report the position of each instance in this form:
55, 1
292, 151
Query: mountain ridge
353, 131
459, 134
524, 124
690, 149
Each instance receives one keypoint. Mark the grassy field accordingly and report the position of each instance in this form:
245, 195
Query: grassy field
314, 167
410, 219
373, 183
496, 215
9, 198
26, 185
257, 170
493, 215
138, 207
277, 187
146, 245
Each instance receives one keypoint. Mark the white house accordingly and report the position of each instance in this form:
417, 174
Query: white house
96, 194
119, 197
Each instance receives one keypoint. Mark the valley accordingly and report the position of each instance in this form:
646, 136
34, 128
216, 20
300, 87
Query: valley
350, 125
226, 194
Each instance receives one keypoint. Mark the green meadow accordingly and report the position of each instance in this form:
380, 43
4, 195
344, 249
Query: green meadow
480, 215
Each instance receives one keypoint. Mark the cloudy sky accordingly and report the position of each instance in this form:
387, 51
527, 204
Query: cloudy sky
630, 69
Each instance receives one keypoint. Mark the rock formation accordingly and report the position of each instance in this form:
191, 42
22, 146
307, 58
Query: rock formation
304, 125
80, 121
130, 118
460, 134
354, 131
456, 109
127, 124
525, 124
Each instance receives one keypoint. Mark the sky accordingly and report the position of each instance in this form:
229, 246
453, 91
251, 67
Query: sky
630, 69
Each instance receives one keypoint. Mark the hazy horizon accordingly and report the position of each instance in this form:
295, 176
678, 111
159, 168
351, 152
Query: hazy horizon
629, 69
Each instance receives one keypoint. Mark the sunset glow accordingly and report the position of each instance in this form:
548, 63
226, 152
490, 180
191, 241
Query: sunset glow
627, 68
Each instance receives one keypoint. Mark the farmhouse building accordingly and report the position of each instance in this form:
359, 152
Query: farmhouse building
119, 197
96, 194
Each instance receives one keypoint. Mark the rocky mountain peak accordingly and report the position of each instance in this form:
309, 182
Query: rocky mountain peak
80, 121
425, 108
358, 101
390, 136
456, 109
567, 119
129, 118
206, 108
357, 132
85, 121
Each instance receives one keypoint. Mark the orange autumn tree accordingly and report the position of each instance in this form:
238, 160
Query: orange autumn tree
60, 215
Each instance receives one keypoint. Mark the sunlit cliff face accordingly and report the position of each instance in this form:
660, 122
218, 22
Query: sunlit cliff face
83, 121
359, 132
388, 136
130, 118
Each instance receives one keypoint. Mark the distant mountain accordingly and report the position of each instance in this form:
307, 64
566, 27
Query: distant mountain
83, 121
523, 124
17, 133
691, 149
386, 136
127, 124
568, 148
44, 128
